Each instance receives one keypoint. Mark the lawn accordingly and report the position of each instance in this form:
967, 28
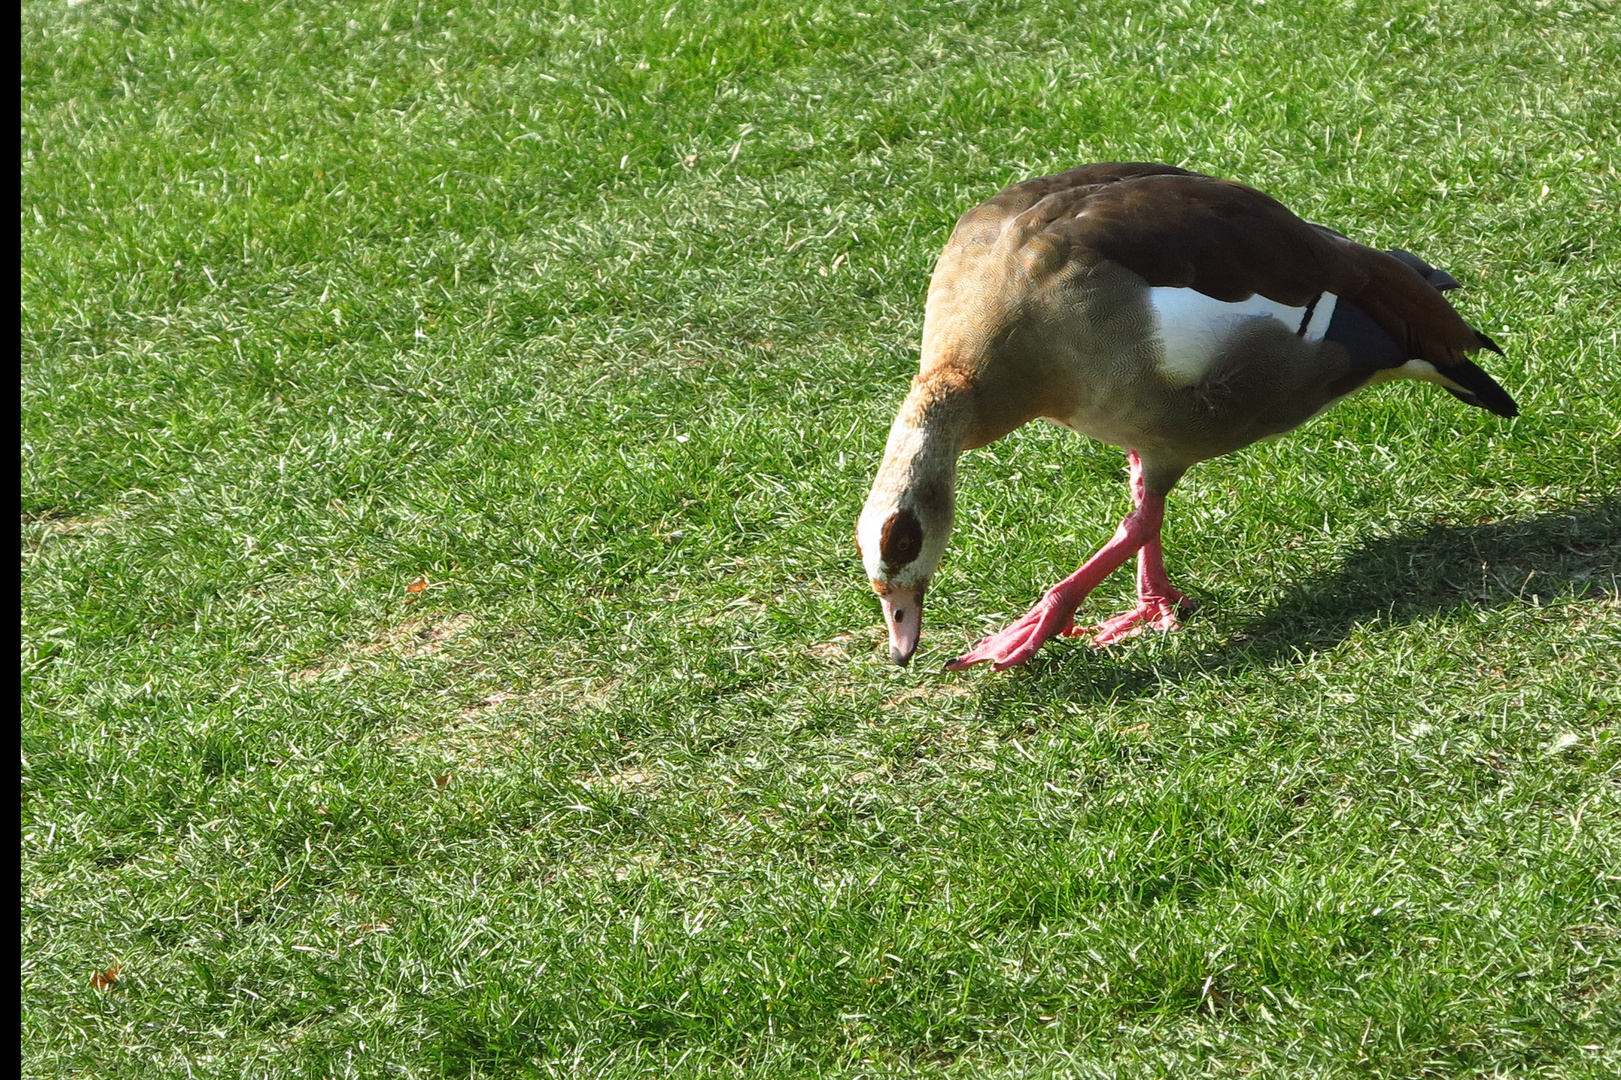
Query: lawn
444, 651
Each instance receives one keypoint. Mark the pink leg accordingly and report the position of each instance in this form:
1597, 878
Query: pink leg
1158, 601
1054, 613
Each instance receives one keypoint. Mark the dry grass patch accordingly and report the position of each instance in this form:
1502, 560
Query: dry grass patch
627, 779
835, 649
67, 526
418, 637
37, 532
411, 639
510, 722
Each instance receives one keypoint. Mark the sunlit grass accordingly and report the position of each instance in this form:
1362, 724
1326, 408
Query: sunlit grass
593, 318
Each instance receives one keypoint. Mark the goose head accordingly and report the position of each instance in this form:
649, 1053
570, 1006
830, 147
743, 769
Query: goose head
907, 519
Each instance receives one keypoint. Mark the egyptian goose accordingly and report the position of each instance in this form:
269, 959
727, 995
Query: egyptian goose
1169, 313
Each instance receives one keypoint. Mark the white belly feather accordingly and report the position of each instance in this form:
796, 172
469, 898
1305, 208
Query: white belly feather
1193, 327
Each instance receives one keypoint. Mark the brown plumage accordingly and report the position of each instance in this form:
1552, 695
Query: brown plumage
1173, 314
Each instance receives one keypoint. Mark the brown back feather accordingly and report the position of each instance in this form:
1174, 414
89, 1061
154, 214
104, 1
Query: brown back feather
1177, 228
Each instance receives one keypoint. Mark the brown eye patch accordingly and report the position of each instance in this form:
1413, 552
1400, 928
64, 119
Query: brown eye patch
901, 541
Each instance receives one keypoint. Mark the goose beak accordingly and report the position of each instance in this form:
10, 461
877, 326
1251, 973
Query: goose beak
903, 614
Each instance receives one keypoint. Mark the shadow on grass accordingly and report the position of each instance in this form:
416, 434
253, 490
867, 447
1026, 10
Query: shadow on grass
1391, 580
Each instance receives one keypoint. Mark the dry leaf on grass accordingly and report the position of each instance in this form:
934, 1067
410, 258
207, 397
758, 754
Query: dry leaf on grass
106, 980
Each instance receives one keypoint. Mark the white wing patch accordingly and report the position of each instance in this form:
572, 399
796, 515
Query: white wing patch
1321, 316
1192, 326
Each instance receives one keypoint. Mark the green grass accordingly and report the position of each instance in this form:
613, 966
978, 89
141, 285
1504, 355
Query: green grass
594, 317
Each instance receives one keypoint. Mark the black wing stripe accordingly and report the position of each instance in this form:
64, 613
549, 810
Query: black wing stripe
1305, 320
